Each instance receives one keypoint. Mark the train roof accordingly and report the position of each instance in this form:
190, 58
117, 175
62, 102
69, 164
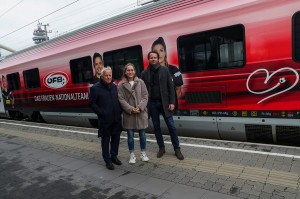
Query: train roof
146, 12
108, 24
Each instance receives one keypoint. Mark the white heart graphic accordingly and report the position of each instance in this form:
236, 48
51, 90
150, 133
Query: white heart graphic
282, 80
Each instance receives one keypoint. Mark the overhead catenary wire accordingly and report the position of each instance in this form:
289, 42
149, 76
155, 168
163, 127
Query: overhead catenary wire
12, 38
90, 7
71, 25
11, 8
39, 19
105, 15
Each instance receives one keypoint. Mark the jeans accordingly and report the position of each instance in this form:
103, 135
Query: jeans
114, 141
156, 109
130, 140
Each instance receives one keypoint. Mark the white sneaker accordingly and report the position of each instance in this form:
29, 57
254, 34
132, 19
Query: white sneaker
132, 158
144, 157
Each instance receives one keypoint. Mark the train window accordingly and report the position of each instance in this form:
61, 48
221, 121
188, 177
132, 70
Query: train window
117, 59
296, 36
214, 49
13, 81
82, 70
32, 78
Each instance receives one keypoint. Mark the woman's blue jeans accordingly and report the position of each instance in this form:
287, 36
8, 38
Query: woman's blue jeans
130, 140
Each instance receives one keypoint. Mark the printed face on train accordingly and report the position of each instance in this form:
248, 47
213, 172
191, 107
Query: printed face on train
162, 53
98, 65
130, 72
107, 76
3, 83
153, 59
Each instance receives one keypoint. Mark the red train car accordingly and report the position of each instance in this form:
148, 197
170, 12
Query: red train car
239, 60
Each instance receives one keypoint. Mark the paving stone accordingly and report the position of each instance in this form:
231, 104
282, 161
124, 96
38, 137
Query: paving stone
130, 179
253, 197
243, 195
287, 195
250, 191
208, 185
77, 164
161, 169
185, 180
269, 188
265, 195
179, 191
154, 186
256, 185
277, 197
210, 195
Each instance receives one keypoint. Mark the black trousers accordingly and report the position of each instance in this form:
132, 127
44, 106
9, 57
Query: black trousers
110, 143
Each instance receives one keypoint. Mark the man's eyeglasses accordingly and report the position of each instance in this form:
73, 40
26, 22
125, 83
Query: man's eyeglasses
100, 63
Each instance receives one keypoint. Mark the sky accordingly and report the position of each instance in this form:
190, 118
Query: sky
18, 18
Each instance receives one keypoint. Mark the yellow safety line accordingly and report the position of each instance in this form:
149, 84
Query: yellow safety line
263, 175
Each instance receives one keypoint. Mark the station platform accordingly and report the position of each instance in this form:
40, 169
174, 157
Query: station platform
54, 161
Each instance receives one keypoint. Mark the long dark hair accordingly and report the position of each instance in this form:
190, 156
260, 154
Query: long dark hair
161, 41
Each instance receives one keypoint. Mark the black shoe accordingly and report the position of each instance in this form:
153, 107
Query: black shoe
110, 166
116, 161
179, 154
160, 153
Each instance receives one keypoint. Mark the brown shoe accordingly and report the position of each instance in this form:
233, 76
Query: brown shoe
160, 153
179, 154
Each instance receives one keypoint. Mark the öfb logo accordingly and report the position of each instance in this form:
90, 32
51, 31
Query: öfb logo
56, 80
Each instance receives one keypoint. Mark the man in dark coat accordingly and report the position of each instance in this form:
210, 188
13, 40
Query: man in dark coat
161, 101
105, 103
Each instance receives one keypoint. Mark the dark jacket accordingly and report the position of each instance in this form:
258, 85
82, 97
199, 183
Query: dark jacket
7, 98
177, 80
166, 88
96, 79
104, 101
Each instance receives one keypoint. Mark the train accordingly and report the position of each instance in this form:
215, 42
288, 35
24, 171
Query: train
239, 61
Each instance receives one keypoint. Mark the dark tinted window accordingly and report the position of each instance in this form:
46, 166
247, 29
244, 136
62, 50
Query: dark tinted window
117, 59
214, 49
32, 78
81, 70
14, 81
296, 36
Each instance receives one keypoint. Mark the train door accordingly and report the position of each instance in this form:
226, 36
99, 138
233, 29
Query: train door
2, 109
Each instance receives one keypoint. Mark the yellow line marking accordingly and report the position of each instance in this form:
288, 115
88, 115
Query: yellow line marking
285, 179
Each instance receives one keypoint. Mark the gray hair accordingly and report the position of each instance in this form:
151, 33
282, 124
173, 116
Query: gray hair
105, 69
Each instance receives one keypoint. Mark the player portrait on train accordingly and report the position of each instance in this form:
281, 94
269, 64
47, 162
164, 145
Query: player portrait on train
7, 95
98, 66
104, 101
133, 97
159, 46
161, 101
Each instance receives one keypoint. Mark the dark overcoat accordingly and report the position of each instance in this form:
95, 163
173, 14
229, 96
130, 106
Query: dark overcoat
104, 101
132, 97
166, 88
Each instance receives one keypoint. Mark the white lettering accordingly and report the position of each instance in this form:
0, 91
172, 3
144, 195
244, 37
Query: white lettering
62, 97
